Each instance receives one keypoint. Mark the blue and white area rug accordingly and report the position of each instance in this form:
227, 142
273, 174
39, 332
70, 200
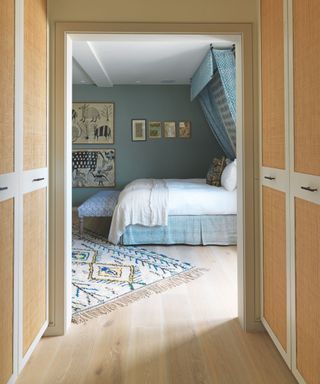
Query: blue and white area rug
106, 277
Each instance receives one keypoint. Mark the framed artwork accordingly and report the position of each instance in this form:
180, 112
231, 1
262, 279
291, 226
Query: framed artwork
138, 130
169, 129
93, 123
93, 168
155, 130
185, 129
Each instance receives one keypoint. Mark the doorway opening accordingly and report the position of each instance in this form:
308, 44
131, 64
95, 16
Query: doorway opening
134, 111
69, 40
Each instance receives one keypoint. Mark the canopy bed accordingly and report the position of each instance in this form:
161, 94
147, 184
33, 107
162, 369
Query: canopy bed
189, 211
172, 211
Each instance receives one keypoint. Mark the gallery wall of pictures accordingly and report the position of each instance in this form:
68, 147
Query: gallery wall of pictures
127, 132
93, 123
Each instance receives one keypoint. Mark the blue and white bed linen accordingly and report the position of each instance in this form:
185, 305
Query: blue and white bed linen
191, 230
143, 201
148, 203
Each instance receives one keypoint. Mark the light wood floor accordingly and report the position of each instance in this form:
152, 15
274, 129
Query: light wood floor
188, 335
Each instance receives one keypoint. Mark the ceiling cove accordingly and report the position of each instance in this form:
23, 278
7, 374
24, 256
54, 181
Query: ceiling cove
121, 59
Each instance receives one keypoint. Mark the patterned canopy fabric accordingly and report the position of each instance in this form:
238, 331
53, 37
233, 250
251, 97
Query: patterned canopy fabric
216, 92
226, 64
203, 75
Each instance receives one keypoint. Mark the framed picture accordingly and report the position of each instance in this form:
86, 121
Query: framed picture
138, 130
93, 123
169, 129
185, 129
155, 130
93, 168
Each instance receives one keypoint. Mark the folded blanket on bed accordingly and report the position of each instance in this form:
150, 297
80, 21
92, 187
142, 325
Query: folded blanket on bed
144, 202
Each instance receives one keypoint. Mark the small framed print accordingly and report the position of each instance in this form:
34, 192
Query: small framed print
138, 130
169, 129
185, 129
155, 130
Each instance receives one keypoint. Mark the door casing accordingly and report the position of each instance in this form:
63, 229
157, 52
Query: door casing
60, 203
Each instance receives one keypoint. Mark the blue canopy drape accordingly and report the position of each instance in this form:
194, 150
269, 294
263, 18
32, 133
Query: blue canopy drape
212, 112
226, 65
215, 87
203, 75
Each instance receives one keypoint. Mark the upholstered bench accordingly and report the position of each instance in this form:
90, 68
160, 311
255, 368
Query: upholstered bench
101, 204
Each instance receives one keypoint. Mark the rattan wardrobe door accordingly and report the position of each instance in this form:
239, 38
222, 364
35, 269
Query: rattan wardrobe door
306, 189
274, 263
35, 85
307, 243
6, 289
8, 193
272, 78
34, 265
7, 36
35, 176
306, 62
274, 175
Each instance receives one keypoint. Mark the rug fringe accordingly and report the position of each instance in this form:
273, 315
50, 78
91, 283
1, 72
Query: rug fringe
141, 293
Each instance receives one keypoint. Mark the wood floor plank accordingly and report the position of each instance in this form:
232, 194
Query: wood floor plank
188, 335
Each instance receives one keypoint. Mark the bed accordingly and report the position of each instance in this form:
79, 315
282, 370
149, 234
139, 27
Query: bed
174, 211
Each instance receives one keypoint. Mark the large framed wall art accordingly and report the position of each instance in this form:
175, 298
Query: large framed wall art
93, 168
93, 123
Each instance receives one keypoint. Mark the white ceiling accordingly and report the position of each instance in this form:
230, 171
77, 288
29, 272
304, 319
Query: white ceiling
140, 59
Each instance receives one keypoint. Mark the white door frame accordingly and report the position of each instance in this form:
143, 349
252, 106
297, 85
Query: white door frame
60, 203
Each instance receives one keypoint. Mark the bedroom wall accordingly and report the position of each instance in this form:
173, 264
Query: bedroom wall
160, 158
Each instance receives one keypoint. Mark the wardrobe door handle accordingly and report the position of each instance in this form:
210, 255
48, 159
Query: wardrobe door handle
39, 179
269, 178
310, 189
3, 188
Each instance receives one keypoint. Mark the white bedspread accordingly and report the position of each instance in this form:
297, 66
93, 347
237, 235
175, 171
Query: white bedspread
195, 197
143, 201
149, 202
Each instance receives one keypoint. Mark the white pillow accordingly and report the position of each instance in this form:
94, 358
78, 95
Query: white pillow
229, 176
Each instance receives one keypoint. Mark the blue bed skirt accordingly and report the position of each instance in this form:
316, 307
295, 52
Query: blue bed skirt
191, 230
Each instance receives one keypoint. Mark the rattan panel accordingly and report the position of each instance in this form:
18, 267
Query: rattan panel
272, 61
308, 289
35, 85
7, 86
306, 66
274, 262
6, 289
34, 265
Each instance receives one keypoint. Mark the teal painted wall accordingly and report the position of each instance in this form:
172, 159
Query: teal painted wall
161, 158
